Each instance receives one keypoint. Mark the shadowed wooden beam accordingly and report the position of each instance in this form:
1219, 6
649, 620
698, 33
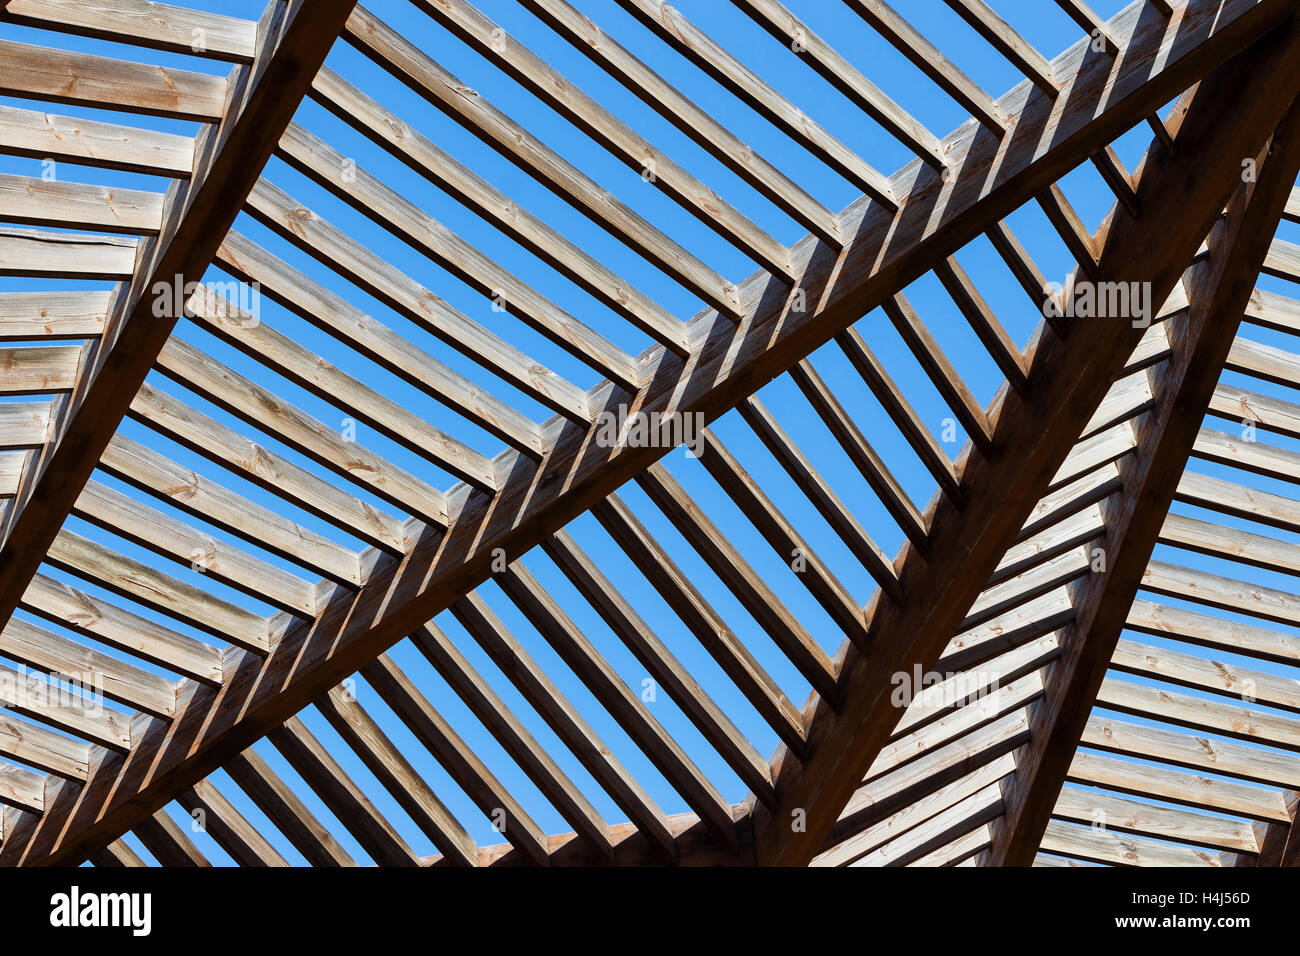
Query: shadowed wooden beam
1047, 136
197, 214
1179, 202
1220, 291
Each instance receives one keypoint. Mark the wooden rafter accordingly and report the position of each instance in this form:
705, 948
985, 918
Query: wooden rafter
1069, 379
198, 212
1219, 291
305, 661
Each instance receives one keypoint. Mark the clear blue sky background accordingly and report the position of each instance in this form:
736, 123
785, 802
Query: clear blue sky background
1042, 23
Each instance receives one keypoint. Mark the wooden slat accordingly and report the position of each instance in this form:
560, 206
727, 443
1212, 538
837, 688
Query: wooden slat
977, 313
265, 468
157, 25
261, 409
24, 424
92, 143
571, 102
21, 788
915, 845
349, 324
790, 547
115, 679
1205, 537
149, 471
912, 44
1198, 672
284, 808
101, 621
1008, 42
515, 738
1163, 823
1271, 604
673, 28
1153, 71
663, 666
682, 112
410, 223
42, 202
12, 464
947, 380
444, 170
1213, 716
1164, 783
168, 843
900, 411
44, 749
630, 712
1068, 225
1196, 753
52, 315
850, 848
372, 273
345, 799
39, 368
873, 468
122, 575
1264, 411
1102, 846
846, 78
464, 766
117, 854
228, 828
61, 255
159, 532
723, 645
1237, 637
740, 578
57, 76
565, 720
827, 503
413, 67
300, 365
395, 773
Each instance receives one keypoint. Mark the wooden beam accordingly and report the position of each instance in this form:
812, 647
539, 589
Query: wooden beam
889, 249
1220, 290
198, 212
34, 72
159, 26
1070, 381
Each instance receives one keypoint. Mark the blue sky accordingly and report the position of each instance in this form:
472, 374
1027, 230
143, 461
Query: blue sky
1043, 24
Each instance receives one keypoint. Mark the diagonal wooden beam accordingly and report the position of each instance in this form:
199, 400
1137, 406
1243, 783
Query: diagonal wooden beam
1230, 115
294, 37
990, 176
1220, 290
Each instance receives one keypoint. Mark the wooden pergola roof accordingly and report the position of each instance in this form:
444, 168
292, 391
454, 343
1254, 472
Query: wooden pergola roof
1053, 552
